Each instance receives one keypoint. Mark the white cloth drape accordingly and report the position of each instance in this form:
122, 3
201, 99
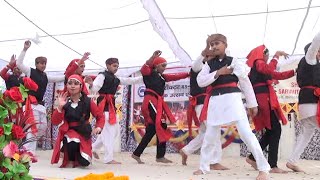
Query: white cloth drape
161, 26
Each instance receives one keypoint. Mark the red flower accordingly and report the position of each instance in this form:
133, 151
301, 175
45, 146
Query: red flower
1, 131
14, 94
17, 132
317, 92
4, 170
30, 84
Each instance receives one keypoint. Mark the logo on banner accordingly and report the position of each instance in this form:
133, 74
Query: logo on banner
141, 90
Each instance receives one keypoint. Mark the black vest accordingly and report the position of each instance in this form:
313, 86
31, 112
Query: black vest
155, 82
79, 114
308, 75
194, 87
257, 77
110, 86
215, 65
13, 81
41, 79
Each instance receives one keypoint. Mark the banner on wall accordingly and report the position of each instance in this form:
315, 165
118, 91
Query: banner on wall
288, 90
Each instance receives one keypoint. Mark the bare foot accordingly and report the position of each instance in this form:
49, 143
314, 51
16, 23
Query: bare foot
95, 155
198, 172
163, 160
113, 162
218, 166
137, 159
70, 164
294, 168
278, 170
262, 176
184, 157
252, 163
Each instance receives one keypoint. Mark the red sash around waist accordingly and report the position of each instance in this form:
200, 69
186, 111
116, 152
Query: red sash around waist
203, 115
108, 99
191, 112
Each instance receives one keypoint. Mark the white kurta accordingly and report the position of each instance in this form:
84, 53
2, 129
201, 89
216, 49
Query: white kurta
196, 143
109, 131
308, 111
229, 107
39, 111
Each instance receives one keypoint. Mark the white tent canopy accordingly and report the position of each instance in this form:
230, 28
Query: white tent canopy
121, 28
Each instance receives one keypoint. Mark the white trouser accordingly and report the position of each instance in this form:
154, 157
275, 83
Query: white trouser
106, 139
40, 116
196, 143
212, 140
308, 127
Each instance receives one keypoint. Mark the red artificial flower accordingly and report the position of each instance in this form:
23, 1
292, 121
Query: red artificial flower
4, 170
14, 94
1, 131
25, 154
17, 132
317, 92
10, 149
30, 84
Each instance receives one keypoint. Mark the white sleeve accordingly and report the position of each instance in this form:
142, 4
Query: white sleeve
197, 64
248, 92
286, 61
25, 69
97, 83
313, 50
205, 78
55, 78
130, 80
240, 67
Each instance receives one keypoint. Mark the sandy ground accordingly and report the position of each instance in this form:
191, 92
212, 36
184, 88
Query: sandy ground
175, 171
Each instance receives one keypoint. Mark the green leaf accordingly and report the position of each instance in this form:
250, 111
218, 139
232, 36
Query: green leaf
23, 91
26, 177
16, 177
18, 168
2, 138
1, 175
13, 111
3, 142
3, 113
8, 175
7, 128
11, 105
15, 167
7, 164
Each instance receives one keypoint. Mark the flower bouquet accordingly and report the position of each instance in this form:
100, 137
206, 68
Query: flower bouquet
15, 123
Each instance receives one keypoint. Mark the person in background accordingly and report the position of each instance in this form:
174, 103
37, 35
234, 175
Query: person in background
36, 97
106, 84
308, 79
154, 110
262, 75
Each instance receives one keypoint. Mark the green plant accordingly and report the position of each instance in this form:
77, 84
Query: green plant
14, 125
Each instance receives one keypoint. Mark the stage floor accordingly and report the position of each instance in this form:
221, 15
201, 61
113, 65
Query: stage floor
152, 171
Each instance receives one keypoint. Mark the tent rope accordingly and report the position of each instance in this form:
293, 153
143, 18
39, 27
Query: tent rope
302, 25
265, 25
48, 33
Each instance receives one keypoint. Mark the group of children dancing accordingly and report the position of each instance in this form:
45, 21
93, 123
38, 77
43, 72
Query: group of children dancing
217, 82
